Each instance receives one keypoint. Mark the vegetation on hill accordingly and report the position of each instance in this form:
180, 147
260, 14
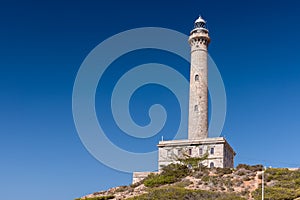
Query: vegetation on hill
281, 184
179, 193
170, 174
178, 181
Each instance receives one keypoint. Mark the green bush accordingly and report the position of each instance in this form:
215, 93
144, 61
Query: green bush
176, 170
246, 178
241, 172
194, 162
275, 193
177, 193
282, 174
183, 183
158, 180
122, 188
222, 171
170, 174
205, 178
297, 182
252, 168
286, 184
134, 185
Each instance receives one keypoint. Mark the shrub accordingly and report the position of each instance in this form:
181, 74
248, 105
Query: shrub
158, 180
176, 170
241, 172
163, 193
260, 177
242, 166
297, 182
192, 161
245, 192
252, 168
222, 171
199, 174
183, 183
282, 174
246, 178
275, 193
286, 184
134, 185
122, 188
176, 193
170, 174
227, 182
205, 178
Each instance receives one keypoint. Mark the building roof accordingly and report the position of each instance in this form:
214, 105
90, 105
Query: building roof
186, 142
200, 19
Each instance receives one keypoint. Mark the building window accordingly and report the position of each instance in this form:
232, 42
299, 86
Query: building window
212, 165
169, 153
190, 152
212, 151
196, 77
196, 108
179, 152
200, 151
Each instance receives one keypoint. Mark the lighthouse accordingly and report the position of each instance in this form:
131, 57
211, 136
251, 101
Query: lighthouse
198, 96
218, 150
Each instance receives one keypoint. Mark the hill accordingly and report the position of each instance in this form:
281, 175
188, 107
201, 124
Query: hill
179, 182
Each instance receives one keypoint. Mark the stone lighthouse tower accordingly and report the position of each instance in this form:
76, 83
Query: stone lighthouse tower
198, 102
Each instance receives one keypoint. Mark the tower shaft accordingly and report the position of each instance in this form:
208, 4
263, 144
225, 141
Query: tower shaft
198, 97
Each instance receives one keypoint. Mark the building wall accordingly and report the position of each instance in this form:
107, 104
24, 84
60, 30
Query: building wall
222, 155
228, 156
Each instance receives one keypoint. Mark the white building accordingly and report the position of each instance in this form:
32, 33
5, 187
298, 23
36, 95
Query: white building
220, 153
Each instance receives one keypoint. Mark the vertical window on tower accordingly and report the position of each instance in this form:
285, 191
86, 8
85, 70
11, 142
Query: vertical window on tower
212, 165
196, 77
196, 108
190, 152
212, 151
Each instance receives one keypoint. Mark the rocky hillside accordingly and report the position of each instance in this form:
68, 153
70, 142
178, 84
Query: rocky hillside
178, 182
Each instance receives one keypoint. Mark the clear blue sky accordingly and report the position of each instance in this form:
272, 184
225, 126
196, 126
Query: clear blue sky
255, 45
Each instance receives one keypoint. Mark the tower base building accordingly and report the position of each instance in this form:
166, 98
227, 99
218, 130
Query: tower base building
219, 152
